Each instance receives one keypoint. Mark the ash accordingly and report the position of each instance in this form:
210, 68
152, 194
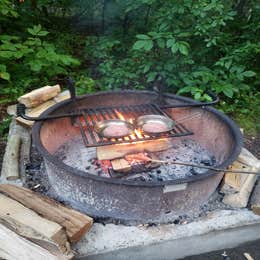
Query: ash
75, 154
37, 180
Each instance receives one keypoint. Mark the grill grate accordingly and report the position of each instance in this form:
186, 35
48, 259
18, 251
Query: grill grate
89, 117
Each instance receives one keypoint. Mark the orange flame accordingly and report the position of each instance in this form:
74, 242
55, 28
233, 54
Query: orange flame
120, 115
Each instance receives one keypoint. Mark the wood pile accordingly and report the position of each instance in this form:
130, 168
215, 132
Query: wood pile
33, 226
39, 100
238, 187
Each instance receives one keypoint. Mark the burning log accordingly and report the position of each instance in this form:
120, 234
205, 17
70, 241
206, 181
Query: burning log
121, 165
38, 96
111, 152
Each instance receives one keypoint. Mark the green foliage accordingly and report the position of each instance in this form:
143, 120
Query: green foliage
4, 126
30, 62
84, 84
191, 46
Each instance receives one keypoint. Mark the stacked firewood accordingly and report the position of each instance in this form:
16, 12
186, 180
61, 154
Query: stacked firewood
39, 100
33, 226
239, 188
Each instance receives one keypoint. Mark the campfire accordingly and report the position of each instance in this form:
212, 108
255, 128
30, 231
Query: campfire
118, 154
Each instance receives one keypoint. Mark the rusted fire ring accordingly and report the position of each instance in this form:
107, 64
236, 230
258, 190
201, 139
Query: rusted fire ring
233, 155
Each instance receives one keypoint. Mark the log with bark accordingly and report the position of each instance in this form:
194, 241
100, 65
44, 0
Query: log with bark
10, 167
37, 111
27, 223
75, 223
40, 95
13, 246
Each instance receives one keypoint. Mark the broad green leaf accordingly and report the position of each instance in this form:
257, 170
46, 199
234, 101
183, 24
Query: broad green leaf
6, 54
183, 49
151, 76
42, 33
174, 48
142, 37
5, 75
139, 45
146, 68
170, 43
148, 45
197, 96
228, 92
249, 73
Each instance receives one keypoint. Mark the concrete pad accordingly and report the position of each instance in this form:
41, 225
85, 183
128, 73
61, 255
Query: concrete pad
220, 229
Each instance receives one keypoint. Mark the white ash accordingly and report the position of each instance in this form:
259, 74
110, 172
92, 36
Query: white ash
75, 154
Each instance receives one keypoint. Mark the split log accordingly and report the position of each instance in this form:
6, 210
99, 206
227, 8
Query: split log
75, 223
236, 180
64, 95
240, 199
12, 246
38, 96
110, 152
255, 199
28, 224
244, 161
121, 165
37, 111
10, 167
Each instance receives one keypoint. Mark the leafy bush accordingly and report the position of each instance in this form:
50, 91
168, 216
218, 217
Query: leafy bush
190, 46
188, 43
30, 62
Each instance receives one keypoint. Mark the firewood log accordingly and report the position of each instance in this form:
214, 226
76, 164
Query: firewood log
255, 199
75, 223
10, 167
38, 96
110, 152
240, 198
13, 246
28, 224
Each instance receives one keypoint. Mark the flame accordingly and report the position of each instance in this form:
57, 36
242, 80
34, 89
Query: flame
138, 133
120, 115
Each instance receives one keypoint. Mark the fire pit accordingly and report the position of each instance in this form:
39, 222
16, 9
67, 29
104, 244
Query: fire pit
69, 148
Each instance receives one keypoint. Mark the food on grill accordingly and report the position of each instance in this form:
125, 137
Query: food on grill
155, 127
155, 124
114, 128
116, 131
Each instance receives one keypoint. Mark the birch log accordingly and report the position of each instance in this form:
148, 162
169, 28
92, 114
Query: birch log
38, 96
10, 167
